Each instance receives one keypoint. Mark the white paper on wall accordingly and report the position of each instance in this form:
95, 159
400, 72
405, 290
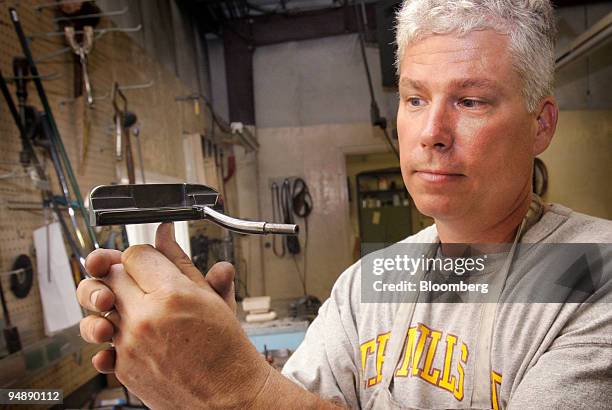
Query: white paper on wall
145, 233
57, 289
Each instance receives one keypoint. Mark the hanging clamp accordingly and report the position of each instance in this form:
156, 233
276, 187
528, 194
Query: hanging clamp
82, 51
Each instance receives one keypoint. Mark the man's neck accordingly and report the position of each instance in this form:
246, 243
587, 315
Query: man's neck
486, 230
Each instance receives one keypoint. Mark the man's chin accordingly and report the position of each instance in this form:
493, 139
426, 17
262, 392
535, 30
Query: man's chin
439, 207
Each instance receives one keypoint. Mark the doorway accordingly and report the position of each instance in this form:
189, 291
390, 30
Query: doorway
380, 208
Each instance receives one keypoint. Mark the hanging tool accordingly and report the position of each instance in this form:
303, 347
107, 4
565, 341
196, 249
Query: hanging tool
84, 139
31, 159
82, 17
27, 117
150, 203
124, 120
11, 333
118, 120
129, 119
22, 276
26, 155
82, 50
140, 158
37, 130
54, 132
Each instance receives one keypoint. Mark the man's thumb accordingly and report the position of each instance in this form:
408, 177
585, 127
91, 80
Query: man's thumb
220, 277
167, 245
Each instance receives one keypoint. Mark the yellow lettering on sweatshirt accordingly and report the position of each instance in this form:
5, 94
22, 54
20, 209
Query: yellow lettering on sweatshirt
447, 381
381, 344
428, 373
458, 393
496, 380
421, 344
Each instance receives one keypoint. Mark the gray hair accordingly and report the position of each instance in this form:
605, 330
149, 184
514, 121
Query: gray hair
529, 24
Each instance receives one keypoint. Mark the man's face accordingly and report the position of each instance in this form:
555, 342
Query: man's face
466, 138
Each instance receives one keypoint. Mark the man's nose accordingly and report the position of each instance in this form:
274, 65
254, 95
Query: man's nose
436, 133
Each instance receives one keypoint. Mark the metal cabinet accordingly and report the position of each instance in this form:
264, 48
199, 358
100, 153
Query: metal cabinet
384, 207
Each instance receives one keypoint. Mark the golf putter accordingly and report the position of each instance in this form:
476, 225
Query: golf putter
150, 203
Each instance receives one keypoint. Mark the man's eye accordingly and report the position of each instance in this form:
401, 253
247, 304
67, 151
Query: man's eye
471, 103
414, 101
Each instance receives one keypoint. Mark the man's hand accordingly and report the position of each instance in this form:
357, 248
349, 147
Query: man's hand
96, 297
175, 333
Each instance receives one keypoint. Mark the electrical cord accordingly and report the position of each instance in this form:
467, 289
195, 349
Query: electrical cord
291, 242
292, 200
391, 144
375, 117
276, 214
245, 275
302, 206
301, 200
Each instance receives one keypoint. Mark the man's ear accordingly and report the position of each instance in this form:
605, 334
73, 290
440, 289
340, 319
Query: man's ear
548, 115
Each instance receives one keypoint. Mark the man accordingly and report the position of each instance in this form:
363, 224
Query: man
475, 108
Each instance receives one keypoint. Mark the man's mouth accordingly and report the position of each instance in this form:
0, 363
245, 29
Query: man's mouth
437, 175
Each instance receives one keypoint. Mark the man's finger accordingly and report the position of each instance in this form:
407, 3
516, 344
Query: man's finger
96, 329
165, 242
221, 278
95, 296
99, 261
113, 317
127, 292
149, 268
104, 361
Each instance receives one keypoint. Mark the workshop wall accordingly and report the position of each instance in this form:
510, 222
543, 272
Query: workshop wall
162, 121
585, 83
578, 161
312, 108
317, 154
320, 81
578, 157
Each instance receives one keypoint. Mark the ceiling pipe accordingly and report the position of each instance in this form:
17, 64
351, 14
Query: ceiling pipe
587, 41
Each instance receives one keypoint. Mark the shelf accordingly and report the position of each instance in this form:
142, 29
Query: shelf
39, 356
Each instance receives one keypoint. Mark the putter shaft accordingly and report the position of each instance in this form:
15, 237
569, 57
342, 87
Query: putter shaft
249, 227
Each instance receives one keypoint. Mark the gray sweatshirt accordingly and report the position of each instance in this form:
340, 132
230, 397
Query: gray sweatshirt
543, 355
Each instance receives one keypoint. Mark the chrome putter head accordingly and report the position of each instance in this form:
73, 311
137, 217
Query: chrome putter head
150, 203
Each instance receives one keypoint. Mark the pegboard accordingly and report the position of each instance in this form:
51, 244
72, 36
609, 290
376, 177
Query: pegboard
162, 122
